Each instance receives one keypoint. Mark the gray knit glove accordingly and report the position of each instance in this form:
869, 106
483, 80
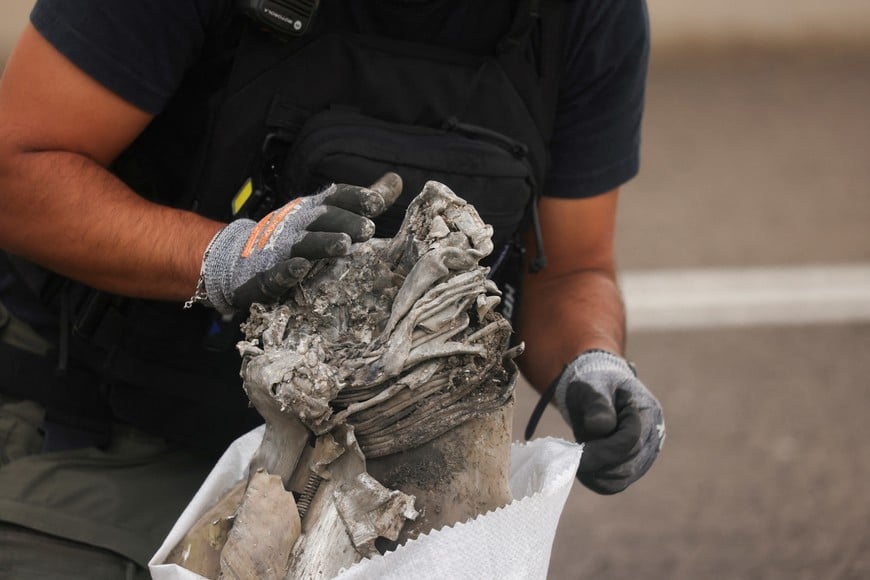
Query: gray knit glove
619, 421
249, 262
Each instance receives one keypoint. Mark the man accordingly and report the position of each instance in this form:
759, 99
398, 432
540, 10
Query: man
128, 132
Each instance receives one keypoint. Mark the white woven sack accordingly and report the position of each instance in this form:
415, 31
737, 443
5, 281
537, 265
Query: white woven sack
513, 542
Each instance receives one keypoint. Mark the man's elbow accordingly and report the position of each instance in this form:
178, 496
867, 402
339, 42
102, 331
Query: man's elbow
17, 206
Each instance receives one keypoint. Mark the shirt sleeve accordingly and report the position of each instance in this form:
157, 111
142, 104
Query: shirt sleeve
596, 139
138, 50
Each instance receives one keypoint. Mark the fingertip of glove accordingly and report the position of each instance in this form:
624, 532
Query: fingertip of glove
600, 486
367, 230
371, 203
388, 188
297, 267
338, 245
316, 245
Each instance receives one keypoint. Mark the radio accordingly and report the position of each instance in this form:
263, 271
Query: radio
284, 17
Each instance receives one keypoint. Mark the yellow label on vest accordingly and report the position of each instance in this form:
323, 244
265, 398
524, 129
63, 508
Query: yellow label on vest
242, 197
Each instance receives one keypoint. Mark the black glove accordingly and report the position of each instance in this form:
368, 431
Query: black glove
613, 414
249, 262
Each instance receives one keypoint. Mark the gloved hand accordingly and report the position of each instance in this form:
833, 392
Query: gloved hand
616, 417
249, 262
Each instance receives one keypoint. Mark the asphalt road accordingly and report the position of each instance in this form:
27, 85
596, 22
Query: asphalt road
750, 159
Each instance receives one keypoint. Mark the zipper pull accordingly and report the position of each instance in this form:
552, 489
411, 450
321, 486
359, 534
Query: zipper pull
540, 261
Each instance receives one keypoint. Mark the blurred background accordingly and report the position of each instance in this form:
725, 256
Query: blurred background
744, 247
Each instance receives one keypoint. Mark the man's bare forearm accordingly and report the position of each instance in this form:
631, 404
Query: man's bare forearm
70, 214
564, 316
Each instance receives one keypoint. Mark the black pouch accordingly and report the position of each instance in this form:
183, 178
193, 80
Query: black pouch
507, 272
485, 168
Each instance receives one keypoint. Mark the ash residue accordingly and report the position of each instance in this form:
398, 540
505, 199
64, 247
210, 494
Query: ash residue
408, 328
429, 468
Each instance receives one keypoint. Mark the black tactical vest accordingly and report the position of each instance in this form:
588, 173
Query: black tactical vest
345, 103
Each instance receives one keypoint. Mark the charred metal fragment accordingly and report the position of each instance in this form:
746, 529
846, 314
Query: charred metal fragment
395, 361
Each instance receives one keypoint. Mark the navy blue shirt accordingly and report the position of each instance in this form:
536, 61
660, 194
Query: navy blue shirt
142, 51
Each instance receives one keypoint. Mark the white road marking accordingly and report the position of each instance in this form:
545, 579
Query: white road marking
704, 298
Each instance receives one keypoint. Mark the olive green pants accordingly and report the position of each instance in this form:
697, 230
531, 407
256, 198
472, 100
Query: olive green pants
86, 513
27, 554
